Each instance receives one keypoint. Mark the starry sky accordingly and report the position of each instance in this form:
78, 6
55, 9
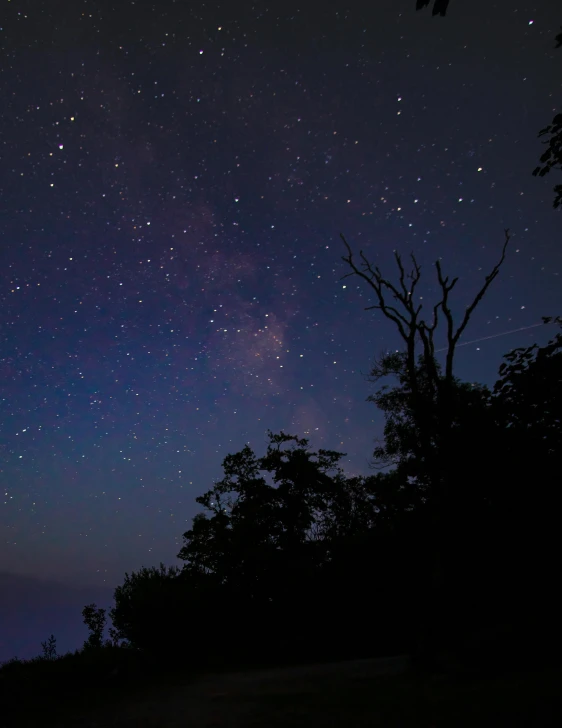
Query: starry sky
174, 180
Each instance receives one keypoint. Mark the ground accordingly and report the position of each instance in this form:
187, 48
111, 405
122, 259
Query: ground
358, 693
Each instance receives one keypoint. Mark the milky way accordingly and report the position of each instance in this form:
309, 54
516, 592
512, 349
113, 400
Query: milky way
174, 182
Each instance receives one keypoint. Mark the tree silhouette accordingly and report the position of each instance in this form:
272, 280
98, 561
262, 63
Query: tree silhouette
94, 619
253, 522
431, 393
146, 608
49, 648
530, 393
300, 543
528, 408
431, 398
400, 445
278, 565
261, 543
505, 443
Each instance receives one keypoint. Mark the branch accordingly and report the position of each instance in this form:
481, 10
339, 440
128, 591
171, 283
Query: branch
415, 275
376, 283
407, 325
452, 338
480, 295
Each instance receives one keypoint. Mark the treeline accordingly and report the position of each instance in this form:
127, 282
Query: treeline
291, 560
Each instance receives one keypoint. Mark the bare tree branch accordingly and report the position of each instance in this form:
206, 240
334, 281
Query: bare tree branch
432, 408
452, 338
408, 322
375, 280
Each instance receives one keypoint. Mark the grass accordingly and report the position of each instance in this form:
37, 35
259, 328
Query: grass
349, 694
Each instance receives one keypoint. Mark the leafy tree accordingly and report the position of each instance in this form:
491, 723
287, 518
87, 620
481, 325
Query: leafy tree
470, 421
529, 395
261, 544
252, 524
501, 532
301, 543
441, 536
280, 558
528, 408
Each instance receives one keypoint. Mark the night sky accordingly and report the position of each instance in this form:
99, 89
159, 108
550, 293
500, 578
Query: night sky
174, 180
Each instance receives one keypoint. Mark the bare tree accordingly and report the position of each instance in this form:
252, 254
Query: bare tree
406, 314
432, 406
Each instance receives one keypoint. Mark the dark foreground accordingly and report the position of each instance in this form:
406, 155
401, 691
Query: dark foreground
356, 693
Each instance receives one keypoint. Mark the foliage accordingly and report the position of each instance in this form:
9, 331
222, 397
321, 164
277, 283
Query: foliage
289, 534
95, 621
255, 537
472, 429
145, 605
530, 394
551, 158
252, 522
400, 446
49, 648
284, 534
528, 407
